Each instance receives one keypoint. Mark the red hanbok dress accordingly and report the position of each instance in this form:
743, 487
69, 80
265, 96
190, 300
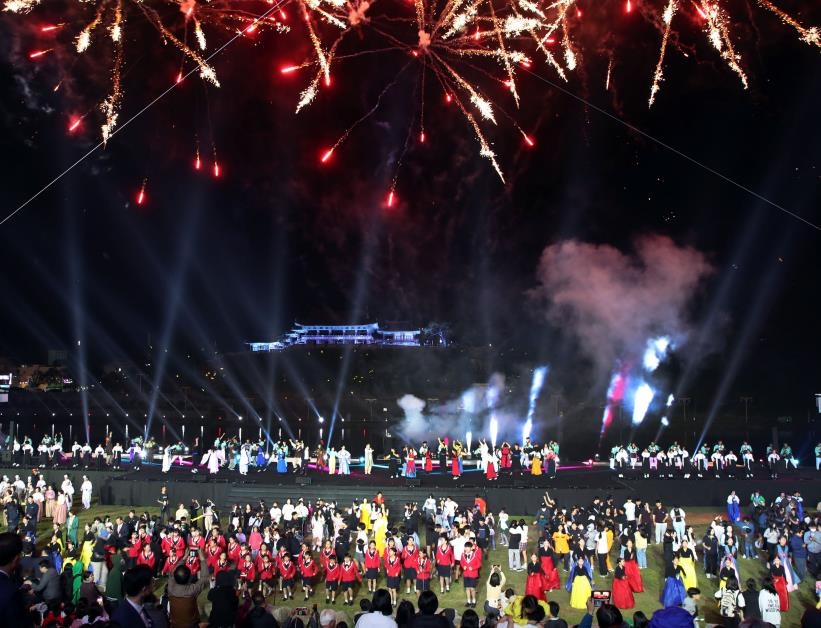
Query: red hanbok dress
535, 581
550, 573
780, 584
622, 594
631, 570
428, 462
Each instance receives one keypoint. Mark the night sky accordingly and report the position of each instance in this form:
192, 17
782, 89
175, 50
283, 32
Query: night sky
210, 263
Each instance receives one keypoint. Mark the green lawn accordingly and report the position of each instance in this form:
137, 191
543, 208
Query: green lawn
653, 577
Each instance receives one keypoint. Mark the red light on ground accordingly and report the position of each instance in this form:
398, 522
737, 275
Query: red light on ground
327, 155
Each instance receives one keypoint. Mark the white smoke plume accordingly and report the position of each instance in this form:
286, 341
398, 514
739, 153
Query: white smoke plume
613, 301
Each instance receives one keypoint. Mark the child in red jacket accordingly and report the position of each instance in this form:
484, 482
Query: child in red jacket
287, 572
349, 577
393, 571
471, 563
423, 569
332, 574
267, 572
308, 569
371, 562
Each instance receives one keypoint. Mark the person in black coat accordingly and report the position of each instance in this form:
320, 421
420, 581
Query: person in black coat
15, 614
137, 587
258, 616
224, 602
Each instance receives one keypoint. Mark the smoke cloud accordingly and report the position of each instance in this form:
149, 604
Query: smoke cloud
613, 301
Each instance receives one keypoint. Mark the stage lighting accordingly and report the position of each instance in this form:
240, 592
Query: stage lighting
321, 420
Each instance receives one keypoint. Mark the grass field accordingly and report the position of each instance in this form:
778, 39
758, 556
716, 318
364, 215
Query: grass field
653, 578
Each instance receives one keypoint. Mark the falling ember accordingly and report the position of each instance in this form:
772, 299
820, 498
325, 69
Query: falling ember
701, 12
328, 81
422, 137
36, 54
197, 161
327, 155
179, 77
578, 13
390, 198
283, 16
48, 29
251, 29
629, 7
74, 124
141, 193
528, 140
448, 98
289, 69
216, 169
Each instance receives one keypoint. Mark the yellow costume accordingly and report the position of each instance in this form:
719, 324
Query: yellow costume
380, 531
688, 565
514, 610
536, 466
581, 591
365, 516
85, 554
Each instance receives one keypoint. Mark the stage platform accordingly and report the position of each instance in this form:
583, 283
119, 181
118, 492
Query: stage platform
520, 495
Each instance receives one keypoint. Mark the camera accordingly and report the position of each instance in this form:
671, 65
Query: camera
600, 597
301, 610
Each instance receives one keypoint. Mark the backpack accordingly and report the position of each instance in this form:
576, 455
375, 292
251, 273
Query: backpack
728, 605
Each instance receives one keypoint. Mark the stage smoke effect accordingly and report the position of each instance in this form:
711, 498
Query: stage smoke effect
641, 402
655, 352
481, 411
614, 301
535, 388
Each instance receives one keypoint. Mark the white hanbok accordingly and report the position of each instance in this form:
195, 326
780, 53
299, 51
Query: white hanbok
244, 460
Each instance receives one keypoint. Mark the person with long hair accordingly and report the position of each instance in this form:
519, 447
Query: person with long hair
631, 568
622, 591
580, 584
769, 604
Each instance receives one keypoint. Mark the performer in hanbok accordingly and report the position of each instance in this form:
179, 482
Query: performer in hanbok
410, 462
428, 458
631, 568
733, 507
244, 458
687, 561
782, 552
483, 454
331, 461
211, 460
622, 592
551, 462
505, 461
779, 577
490, 468
788, 458
534, 585
674, 591
282, 464
344, 458
536, 464
580, 584
368, 459
547, 559
456, 460
166, 460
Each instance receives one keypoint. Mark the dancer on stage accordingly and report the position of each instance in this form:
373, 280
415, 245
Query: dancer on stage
344, 459
456, 460
368, 459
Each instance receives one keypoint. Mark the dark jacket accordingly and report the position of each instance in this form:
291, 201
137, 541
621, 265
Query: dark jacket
224, 606
14, 608
429, 621
49, 586
126, 616
259, 617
